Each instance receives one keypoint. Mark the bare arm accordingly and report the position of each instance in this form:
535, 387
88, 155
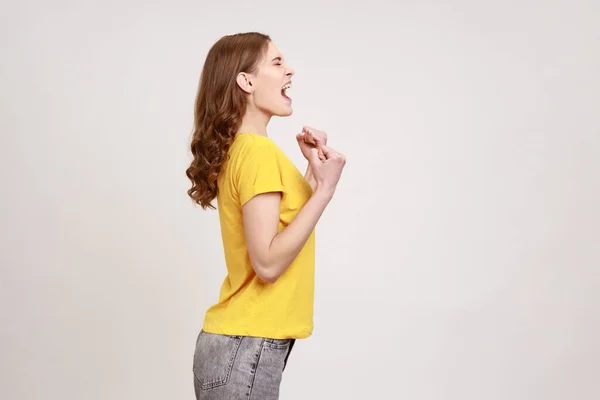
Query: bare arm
310, 177
271, 253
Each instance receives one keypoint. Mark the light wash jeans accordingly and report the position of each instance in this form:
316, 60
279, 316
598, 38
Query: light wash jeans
239, 367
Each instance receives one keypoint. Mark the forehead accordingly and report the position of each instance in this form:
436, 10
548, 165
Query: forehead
272, 52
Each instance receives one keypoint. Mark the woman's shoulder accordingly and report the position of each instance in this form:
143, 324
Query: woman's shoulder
251, 143
255, 138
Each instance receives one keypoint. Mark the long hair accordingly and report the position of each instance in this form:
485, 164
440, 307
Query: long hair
219, 109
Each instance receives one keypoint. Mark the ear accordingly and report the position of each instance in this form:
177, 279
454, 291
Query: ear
244, 81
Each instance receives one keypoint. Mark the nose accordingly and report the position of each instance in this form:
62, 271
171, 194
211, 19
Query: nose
290, 71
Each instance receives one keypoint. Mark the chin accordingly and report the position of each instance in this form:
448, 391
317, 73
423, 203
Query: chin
286, 112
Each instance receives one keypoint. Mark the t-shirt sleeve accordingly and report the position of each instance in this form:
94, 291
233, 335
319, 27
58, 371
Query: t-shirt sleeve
259, 172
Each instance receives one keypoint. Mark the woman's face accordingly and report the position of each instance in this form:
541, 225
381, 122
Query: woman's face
268, 85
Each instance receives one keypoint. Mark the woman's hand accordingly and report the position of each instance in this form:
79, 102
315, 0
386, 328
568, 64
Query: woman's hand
326, 172
312, 138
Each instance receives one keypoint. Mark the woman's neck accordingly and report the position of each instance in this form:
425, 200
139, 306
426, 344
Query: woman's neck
254, 121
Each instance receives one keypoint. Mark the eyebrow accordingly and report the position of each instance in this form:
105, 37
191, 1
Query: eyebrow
276, 58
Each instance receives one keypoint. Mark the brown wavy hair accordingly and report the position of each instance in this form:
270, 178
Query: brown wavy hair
219, 109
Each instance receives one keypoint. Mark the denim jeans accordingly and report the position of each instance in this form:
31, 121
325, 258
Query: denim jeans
239, 367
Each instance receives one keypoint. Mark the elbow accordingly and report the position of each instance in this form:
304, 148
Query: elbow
270, 279
266, 273
265, 265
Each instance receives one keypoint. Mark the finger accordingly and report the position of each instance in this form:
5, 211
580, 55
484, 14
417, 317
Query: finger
303, 139
313, 157
310, 132
316, 140
322, 155
329, 152
309, 138
318, 137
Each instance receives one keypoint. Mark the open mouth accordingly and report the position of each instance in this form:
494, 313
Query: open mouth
283, 91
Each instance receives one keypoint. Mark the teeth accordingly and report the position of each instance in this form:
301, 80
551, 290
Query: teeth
287, 86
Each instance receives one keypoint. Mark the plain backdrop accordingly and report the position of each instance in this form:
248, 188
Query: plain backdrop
458, 260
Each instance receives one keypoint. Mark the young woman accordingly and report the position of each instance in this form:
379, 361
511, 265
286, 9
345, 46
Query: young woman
268, 212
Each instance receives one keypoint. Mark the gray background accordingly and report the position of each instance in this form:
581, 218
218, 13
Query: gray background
458, 260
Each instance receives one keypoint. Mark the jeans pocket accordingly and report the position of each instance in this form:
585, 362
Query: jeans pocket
277, 343
213, 359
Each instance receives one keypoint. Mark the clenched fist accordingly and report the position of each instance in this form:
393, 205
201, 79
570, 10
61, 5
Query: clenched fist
327, 172
311, 138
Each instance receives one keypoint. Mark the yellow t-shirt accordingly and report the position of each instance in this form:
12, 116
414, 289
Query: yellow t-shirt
247, 305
